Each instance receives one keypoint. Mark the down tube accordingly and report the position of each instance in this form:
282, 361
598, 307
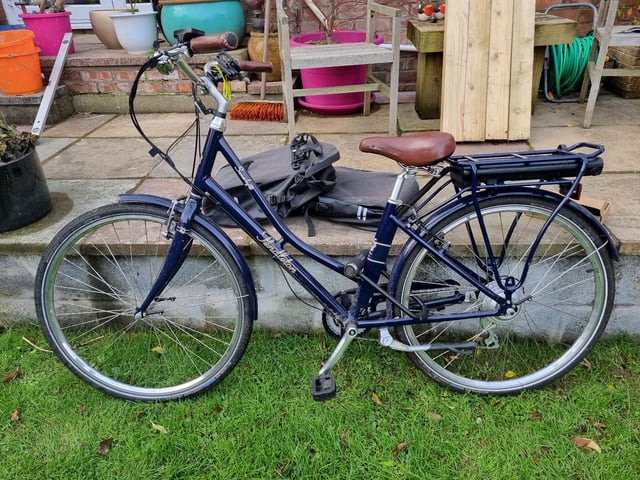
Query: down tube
278, 253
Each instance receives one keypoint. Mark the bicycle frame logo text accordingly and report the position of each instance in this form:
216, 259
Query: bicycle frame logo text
281, 255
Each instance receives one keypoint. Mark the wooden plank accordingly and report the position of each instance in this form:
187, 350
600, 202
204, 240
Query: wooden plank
553, 30
475, 101
521, 70
454, 68
339, 54
429, 85
499, 72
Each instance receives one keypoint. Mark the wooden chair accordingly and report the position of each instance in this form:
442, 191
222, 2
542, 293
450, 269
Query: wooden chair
606, 35
334, 55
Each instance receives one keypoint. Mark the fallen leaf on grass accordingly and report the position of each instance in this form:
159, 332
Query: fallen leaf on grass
436, 417
11, 376
33, 344
376, 399
399, 448
15, 416
105, 446
159, 428
344, 438
283, 468
158, 350
587, 443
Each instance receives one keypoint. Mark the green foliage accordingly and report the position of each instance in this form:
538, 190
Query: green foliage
388, 421
13, 143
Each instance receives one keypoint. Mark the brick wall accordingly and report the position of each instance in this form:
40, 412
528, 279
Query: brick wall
118, 81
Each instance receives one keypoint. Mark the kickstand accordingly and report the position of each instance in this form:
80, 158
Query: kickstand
323, 387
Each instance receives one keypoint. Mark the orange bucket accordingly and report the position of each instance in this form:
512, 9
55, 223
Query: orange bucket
20, 73
16, 41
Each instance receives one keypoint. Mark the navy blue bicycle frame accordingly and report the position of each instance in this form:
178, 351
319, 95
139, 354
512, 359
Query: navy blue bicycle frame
367, 282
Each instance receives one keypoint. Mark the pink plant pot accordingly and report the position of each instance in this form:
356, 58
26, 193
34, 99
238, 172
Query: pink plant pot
49, 29
335, 103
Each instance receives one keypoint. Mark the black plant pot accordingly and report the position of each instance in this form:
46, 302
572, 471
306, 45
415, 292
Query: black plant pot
24, 195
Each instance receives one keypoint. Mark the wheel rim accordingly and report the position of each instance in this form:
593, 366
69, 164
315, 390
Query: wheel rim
509, 368
187, 341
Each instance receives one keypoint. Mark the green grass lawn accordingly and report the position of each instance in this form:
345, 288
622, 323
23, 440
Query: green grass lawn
388, 421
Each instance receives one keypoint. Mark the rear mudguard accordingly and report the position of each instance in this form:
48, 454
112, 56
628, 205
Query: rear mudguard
214, 230
447, 210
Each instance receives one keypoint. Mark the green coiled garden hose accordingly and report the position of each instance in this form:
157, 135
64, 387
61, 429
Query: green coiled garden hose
568, 62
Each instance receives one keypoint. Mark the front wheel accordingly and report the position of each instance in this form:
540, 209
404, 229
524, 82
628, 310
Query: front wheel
95, 273
560, 310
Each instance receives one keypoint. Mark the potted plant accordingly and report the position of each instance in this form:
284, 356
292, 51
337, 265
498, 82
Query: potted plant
24, 195
136, 30
332, 23
49, 26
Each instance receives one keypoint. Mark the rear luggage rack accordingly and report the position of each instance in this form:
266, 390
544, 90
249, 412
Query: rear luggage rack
498, 168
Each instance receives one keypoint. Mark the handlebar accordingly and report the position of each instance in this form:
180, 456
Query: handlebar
221, 68
213, 42
225, 41
253, 66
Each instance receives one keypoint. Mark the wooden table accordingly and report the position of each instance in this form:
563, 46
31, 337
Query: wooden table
428, 38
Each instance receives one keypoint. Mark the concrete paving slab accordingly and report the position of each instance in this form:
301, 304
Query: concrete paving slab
376, 122
69, 199
244, 146
252, 128
624, 218
351, 156
49, 147
621, 154
170, 125
91, 159
410, 122
77, 126
610, 110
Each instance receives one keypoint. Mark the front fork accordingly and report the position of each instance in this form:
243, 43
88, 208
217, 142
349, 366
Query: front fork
179, 249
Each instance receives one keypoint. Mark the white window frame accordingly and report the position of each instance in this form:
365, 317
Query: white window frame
79, 13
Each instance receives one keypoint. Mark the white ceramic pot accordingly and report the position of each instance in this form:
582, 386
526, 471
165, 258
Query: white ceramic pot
136, 32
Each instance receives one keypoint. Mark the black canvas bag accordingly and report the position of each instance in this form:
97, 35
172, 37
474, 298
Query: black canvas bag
359, 198
289, 176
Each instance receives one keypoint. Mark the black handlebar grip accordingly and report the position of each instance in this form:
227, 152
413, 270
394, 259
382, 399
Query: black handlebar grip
214, 42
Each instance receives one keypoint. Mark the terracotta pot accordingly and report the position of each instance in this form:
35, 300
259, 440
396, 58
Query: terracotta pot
255, 48
102, 25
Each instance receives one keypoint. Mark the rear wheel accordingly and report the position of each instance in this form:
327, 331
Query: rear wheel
559, 312
95, 273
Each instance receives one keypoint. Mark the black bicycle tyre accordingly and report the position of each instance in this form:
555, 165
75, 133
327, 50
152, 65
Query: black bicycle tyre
90, 280
505, 370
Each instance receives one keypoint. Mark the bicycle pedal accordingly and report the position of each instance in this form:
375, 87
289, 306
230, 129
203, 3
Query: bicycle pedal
323, 387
